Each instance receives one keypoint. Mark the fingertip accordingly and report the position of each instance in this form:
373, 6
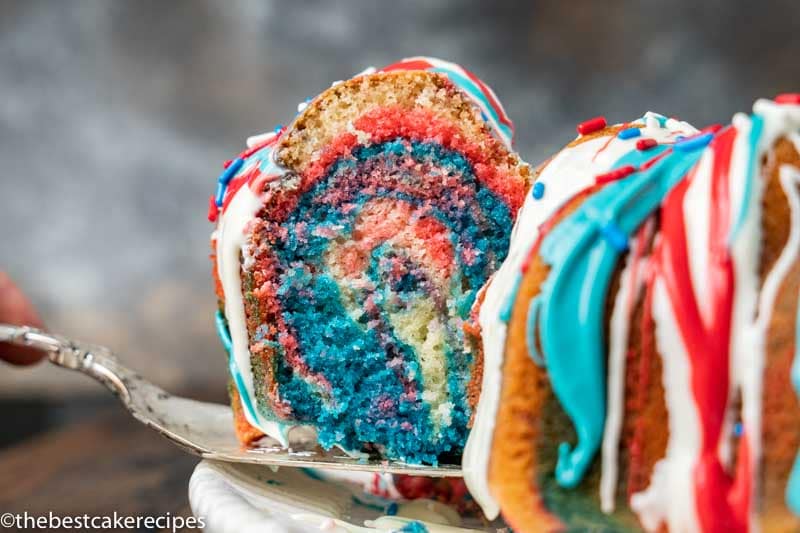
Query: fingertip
20, 355
15, 308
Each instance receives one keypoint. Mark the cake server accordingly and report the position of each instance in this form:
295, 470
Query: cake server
201, 428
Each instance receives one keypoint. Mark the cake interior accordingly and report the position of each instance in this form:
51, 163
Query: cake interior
366, 259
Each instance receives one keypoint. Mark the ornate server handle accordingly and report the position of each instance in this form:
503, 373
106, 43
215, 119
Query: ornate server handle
95, 361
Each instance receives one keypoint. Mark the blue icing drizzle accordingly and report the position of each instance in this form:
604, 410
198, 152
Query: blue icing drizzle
582, 252
793, 487
756, 128
225, 337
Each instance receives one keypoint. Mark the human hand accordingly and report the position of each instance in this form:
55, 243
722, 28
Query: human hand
16, 309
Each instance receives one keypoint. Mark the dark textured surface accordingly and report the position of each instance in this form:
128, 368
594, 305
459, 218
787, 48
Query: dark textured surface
96, 467
115, 117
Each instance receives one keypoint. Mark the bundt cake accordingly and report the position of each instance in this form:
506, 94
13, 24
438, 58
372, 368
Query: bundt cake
640, 348
348, 252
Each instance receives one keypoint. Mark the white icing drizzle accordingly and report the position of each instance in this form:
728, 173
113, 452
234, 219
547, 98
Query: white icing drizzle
696, 215
670, 496
569, 172
631, 281
231, 237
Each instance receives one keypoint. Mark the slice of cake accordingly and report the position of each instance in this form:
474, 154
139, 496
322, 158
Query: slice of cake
349, 250
644, 334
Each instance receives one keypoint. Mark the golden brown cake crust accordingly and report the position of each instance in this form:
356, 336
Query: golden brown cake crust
472, 334
781, 410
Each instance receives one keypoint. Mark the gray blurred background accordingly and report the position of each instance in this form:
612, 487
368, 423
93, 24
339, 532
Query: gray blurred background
116, 116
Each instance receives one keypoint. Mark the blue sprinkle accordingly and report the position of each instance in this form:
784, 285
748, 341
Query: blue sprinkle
392, 509
228, 174
220, 194
695, 143
279, 127
738, 429
629, 133
538, 190
615, 236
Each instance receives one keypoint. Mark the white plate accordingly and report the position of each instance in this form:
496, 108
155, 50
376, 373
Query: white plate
241, 498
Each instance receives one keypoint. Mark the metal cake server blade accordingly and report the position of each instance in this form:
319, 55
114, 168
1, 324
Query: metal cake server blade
201, 428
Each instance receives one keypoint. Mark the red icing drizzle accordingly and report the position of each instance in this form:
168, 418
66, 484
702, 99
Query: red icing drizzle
722, 501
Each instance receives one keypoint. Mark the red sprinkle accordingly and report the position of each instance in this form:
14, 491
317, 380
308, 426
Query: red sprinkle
614, 175
646, 144
713, 128
788, 98
213, 210
227, 163
592, 125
